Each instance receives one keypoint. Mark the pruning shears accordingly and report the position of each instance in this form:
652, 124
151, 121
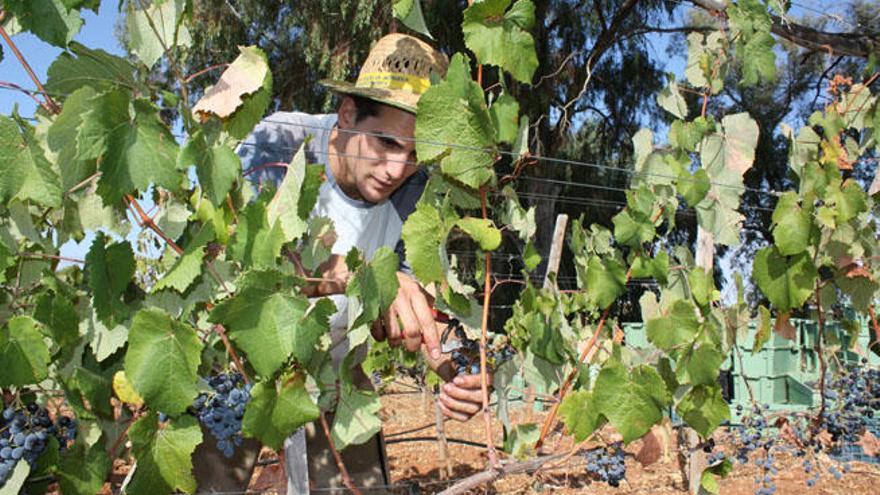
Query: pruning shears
452, 324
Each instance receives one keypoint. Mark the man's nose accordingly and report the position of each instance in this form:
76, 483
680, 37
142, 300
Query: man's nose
395, 167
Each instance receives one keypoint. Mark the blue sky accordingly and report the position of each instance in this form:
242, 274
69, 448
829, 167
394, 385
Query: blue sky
97, 32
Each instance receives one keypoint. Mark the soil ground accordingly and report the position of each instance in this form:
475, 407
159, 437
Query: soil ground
419, 463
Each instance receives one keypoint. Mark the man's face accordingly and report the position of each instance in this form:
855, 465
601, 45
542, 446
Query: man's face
379, 154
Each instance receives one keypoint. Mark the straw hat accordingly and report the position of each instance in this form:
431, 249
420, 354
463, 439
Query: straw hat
397, 72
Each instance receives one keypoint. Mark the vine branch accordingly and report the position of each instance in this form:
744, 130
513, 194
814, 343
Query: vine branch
49, 104
346, 479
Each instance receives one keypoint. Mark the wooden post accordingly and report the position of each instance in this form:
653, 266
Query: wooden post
553, 260
695, 460
556, 248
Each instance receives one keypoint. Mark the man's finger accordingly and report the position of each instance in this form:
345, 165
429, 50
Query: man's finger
459, 406
412, 335
449, 413
378, 330
425, 315
473, 395
471, 381
392, 327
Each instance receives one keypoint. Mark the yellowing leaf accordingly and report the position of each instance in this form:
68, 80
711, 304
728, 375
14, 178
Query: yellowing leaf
244, 76
124, 391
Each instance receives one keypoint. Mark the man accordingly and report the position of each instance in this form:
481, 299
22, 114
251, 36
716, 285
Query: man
372, 185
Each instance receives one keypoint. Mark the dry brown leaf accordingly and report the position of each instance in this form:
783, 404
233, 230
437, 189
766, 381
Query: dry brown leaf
870, 444
244, 76
784, 327
651, 450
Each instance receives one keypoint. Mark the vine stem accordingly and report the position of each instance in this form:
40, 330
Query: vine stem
31, 94
874, 324
822, 365
484, 338
121, 437
346, 479
49, 103
494, 466
53, 257
204, 71
472, 482
551, 418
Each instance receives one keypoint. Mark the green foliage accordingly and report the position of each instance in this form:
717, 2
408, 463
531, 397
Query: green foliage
500, 37
51, 20
277, 409
461, 123
162, 359
155, 28
23, 354
164, 454
162, 316
25, 173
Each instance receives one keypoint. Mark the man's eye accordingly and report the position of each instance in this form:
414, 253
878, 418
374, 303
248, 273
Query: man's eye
389, 142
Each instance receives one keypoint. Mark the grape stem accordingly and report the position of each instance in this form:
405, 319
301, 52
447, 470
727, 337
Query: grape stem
231, 350
346, 480
484, 377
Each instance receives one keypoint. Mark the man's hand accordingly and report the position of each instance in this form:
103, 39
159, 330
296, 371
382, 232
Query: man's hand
410, 319
461, 398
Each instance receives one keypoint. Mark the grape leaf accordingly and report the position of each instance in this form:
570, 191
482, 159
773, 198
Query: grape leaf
109, 270
161, 361
277, 409
671, 100
792, 225
155, 28
501, 38
82, 470
629, 400
424, 236
703, 408
95, 68
505, 118
580, 414
604, 280
481, 230
24, 356
787, 281
376, 284
50, 20
245, 75
677, 327
521, 441
284, 206
263, 319
762, 335
410, 14
189, 265
217, 165
632, 228
134, 150
59, 316
25, 173
699, 365
61, 138
164, 454
255, 242
693, 188
311, 327
454, 111
357, 416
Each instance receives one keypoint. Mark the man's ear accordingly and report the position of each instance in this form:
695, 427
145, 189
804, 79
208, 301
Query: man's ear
347, 112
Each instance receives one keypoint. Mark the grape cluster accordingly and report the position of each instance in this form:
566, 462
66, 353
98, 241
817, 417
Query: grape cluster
466, 359
855, 399
24, 432
222, 410
607, 464
754, 437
